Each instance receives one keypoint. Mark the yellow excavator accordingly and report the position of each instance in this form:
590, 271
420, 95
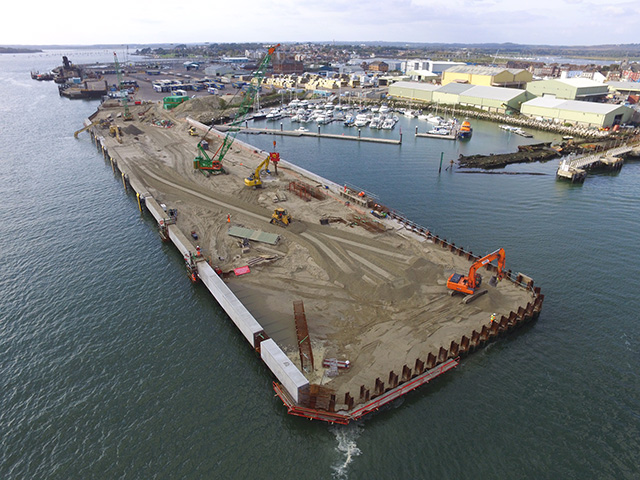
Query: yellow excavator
102, 123
254, 179
280, 217
116, 131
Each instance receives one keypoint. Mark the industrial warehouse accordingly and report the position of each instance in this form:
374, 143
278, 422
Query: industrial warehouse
488, 88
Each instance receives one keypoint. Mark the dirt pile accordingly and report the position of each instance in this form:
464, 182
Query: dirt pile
203, 109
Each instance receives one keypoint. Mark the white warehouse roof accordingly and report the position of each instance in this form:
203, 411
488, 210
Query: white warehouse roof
573, 105
579, 82
493, 93
429, 87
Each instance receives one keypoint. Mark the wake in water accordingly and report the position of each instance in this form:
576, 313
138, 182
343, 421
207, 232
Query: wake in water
346, 435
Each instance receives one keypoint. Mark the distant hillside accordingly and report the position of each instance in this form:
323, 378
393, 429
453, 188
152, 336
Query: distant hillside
18, 50
586, 51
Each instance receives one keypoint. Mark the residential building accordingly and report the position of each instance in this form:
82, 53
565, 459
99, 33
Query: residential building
378, 66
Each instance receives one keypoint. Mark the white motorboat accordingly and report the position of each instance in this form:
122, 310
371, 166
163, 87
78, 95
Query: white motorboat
441, 130
361, 120
274, 114
388, 124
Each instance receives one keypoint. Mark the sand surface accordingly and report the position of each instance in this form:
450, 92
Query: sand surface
378, 300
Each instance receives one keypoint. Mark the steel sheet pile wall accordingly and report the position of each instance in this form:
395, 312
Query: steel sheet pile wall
284, 370
245, 322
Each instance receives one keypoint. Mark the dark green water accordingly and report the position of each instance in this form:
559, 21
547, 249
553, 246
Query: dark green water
112, 365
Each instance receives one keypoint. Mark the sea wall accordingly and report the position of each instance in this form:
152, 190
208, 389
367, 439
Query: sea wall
273, 356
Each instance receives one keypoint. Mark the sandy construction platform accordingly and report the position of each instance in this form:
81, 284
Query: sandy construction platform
377, 299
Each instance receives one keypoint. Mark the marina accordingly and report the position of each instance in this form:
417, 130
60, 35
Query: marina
303, 132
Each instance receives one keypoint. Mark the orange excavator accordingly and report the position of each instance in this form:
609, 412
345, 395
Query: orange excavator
471, 283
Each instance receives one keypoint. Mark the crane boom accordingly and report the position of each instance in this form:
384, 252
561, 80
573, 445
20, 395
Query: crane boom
246, 104
123, 99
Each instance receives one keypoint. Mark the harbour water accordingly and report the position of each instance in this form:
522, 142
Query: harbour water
112, 365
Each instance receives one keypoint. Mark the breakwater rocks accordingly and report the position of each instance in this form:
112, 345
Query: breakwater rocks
540, 152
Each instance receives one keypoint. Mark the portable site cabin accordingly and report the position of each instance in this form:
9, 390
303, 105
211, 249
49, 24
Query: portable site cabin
173, 101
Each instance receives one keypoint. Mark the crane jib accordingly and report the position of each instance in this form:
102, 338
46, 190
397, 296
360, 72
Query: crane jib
245, 105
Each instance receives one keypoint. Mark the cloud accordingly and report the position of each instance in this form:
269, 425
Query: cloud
571, 22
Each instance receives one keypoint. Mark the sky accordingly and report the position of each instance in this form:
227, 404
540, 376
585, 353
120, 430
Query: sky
545, 22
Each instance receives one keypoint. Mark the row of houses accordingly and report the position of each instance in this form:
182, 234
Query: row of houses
312, 81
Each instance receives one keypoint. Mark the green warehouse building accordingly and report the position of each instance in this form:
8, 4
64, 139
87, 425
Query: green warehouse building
576, 112
491, 99
569, 89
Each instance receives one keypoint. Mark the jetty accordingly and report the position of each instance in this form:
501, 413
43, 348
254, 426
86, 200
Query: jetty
575, 170
301, 133
450, 136
348, 304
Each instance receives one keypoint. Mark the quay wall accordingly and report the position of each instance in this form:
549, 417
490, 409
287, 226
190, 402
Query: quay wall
296, 385
246, 323
277, 361
284, 369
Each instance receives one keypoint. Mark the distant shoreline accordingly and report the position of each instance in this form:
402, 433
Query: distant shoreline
18, 50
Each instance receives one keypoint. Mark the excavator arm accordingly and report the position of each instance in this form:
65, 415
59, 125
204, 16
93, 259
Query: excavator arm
498, 254
468, 284
254, 179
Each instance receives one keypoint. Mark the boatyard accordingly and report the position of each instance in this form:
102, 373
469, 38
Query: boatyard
343, 281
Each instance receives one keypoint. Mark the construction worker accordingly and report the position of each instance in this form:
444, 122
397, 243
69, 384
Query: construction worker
228, 218
493, 317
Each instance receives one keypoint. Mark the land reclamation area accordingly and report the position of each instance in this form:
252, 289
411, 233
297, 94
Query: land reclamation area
374, 292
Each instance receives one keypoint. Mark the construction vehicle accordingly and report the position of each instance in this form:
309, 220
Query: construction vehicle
116, 131
206, 163
280, 217
470, 284
102, 123
124, 98
248, 98
193, 132
254, 179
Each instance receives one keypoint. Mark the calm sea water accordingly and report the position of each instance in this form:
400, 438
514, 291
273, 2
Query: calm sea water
112, 365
